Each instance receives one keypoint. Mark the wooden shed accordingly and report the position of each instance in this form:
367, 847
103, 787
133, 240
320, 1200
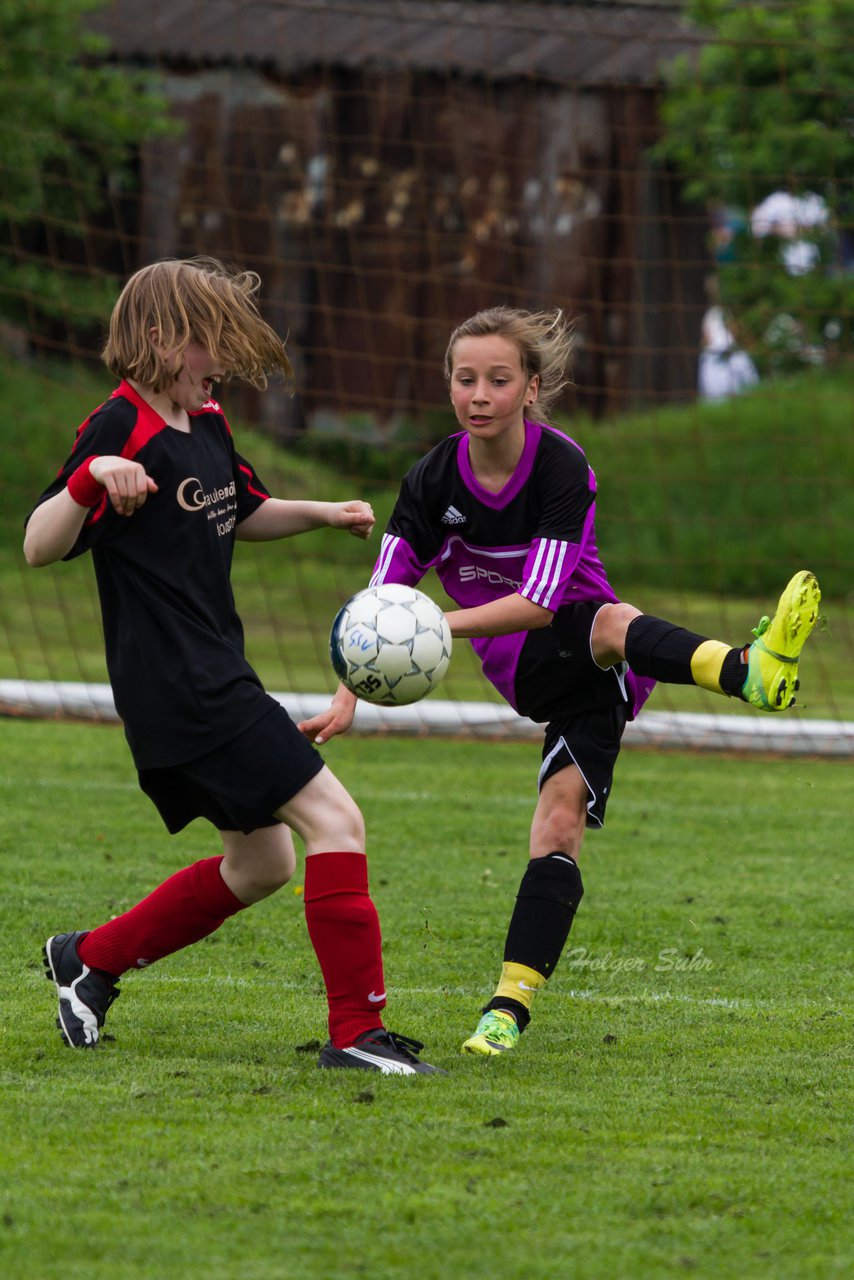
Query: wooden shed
389, 168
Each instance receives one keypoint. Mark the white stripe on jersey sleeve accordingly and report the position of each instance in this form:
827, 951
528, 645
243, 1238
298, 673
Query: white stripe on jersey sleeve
545, 576
531, 584
555, 582
544, 579
387, 550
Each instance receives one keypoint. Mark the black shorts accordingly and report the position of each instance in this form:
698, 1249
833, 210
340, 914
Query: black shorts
557, 676
591, 742
239, 786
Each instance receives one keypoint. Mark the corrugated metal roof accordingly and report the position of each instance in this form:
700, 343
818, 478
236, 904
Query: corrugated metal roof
577, 45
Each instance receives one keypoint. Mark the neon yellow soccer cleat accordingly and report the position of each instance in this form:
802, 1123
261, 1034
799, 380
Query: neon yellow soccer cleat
772, 659
496, 1032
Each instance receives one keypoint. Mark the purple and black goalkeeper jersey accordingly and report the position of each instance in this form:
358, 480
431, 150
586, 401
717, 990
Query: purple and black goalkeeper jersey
536, 537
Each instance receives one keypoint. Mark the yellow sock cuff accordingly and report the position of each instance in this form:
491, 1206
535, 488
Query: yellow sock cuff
707, 663
520, 983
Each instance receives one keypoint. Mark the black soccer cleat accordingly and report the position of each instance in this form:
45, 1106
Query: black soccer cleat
85, 994
383, 1051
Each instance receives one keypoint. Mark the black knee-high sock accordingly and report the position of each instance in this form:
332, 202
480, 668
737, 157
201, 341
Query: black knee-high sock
548, 898
673, 655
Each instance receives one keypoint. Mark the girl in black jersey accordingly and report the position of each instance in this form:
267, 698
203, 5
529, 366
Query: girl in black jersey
504, 512
155, 489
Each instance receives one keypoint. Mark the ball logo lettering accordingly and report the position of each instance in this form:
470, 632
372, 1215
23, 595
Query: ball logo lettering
390, 645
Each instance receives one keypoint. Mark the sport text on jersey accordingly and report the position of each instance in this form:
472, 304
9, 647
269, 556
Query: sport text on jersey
476, 572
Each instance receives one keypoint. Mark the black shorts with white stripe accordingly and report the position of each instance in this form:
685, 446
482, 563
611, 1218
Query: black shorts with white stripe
591, 742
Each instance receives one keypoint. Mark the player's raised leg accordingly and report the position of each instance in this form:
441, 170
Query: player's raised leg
764, 673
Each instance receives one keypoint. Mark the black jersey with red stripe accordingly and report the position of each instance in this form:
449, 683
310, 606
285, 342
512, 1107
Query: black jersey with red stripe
174, 641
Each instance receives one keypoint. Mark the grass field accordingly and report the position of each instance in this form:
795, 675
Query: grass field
680, 1106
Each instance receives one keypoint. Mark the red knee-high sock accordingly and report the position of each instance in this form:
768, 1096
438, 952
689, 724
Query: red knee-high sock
186, 907
345, 932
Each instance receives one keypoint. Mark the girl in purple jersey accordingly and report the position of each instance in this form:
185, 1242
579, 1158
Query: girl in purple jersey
505, 513
155, 490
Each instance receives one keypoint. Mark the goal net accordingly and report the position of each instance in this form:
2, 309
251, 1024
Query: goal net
675, 176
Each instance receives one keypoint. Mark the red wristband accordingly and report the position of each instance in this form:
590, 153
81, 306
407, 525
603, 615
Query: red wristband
83, 487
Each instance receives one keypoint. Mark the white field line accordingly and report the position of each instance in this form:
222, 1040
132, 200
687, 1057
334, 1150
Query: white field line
470, 993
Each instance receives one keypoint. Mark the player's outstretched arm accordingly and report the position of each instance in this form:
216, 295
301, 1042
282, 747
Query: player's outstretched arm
498, 618
281, 518
337, 719
54, 527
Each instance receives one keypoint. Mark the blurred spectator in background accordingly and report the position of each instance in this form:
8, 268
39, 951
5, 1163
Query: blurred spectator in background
724, 369
727, 224
787, 216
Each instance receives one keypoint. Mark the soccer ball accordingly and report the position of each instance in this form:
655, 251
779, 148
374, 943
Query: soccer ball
390, 645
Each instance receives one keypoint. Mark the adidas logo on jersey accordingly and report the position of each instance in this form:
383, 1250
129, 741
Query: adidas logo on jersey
452, 516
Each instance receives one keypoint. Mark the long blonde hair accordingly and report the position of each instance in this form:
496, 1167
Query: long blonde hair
545, 342
192, 300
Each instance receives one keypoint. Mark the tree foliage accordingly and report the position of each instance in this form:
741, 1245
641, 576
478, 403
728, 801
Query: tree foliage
69, 126
767, 105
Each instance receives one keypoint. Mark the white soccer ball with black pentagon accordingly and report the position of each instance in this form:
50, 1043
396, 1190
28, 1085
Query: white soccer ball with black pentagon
390, 645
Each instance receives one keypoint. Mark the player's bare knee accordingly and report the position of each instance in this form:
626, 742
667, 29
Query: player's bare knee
608, 638
325, 816
334, 823
351, 825
276, 874
260, 882
339, 825
559, 831
256, 865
